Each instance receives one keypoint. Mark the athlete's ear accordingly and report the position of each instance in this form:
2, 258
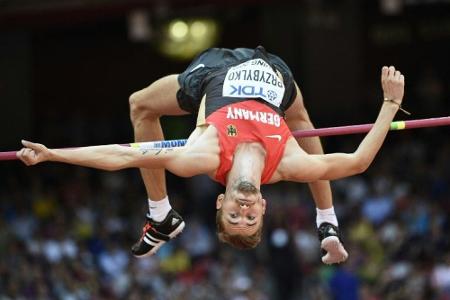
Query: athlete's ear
219, 201
263, 206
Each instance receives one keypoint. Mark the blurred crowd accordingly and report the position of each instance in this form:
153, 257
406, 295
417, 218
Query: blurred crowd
66, 233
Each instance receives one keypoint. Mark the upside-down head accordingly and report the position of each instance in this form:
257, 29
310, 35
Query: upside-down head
239, 215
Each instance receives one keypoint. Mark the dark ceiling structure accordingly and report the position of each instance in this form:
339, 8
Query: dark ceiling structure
26, 13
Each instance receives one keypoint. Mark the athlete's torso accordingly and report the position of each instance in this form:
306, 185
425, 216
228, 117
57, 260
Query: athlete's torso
245, 98
246, 122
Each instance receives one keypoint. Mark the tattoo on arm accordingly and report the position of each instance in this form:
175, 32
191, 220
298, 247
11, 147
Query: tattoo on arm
158, 151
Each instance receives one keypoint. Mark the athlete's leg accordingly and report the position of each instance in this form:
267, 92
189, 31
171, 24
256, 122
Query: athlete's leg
146, 107
297, 118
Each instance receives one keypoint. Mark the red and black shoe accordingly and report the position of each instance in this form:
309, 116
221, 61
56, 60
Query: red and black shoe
155, 234
333, 250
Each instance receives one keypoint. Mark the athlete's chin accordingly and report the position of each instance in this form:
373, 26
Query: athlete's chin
247, 187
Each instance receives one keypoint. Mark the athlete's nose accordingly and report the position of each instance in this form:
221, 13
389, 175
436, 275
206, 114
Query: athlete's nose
244, 206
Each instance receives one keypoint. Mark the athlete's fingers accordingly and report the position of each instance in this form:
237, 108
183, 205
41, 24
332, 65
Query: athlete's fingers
19, 153
28, 155
384, 73
26, 143
26, 152
391, 71
23, 156
32, 145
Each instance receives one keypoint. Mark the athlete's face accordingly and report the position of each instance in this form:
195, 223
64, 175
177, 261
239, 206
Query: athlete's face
242, 209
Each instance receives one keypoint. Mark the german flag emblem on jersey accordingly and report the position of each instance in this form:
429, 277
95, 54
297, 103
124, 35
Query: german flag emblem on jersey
231, 130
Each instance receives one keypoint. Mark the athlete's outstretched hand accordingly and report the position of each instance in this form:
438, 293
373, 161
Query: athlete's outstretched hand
393, 83
33, 153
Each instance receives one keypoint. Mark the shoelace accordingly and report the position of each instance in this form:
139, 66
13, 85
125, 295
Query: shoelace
146, 228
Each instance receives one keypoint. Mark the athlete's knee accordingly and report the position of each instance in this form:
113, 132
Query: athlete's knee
141, 106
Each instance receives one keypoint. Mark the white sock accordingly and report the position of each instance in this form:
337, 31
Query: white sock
326, 215
159, 209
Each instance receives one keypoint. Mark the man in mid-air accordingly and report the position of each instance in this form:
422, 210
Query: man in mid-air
243, 142
181, 94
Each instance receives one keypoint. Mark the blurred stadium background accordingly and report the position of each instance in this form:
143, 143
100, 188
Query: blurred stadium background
67, 69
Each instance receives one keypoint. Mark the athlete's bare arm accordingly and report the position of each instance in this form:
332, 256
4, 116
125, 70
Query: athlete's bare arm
297, 118
299, 166
182, 161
